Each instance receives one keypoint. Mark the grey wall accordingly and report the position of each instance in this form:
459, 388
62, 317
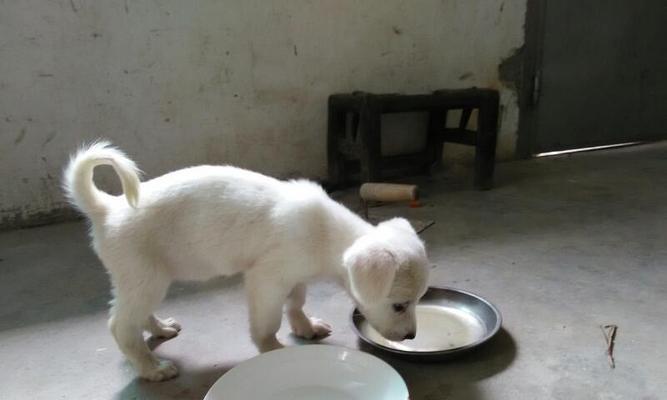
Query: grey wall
176, 83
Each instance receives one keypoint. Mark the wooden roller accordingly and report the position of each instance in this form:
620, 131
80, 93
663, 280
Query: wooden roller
388, 192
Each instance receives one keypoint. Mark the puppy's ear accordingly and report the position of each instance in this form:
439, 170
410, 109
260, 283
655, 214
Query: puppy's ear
399, 223
371, 271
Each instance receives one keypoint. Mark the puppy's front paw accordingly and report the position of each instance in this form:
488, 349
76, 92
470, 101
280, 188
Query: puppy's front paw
320, 328
163, 371
311, 328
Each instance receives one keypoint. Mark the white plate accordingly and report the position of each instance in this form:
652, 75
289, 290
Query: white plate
311, 372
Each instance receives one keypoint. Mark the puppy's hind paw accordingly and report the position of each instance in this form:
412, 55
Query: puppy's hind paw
163, 371
171, 323
165, 333
269, 344
164, 328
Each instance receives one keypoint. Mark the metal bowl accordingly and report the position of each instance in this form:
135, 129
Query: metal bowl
449, 322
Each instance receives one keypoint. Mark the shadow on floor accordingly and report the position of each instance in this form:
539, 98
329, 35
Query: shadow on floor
191, 384
456, 378
452, 379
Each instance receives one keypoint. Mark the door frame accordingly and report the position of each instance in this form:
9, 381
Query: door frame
529, 89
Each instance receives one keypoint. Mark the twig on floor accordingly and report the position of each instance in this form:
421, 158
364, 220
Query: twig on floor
609, 332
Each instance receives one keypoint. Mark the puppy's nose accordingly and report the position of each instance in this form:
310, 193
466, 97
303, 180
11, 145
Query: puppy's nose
410, 336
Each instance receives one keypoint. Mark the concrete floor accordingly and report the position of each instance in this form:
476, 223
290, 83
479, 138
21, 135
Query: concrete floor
561, 246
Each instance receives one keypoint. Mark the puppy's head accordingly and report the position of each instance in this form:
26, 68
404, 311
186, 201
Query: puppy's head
388, 271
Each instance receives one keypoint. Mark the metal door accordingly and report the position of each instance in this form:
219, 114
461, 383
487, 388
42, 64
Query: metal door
600, 74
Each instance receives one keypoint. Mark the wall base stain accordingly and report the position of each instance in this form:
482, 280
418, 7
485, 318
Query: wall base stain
20, 219
510, 70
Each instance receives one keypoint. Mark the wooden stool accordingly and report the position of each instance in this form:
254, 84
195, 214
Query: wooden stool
354, 133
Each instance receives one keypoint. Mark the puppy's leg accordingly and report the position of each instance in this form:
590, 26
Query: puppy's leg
162, 328
302, 326
265, 304
135, 300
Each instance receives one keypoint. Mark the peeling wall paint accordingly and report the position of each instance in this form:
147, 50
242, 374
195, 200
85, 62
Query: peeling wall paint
179, 83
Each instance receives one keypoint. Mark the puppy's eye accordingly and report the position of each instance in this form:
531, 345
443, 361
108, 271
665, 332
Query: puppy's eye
399, 307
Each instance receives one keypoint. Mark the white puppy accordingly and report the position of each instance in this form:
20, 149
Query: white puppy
207, 221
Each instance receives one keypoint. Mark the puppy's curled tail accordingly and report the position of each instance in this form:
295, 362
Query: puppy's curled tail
78, 177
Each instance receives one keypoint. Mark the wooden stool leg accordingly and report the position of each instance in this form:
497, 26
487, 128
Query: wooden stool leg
485, 153
370, 152
335, 160
434, 139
